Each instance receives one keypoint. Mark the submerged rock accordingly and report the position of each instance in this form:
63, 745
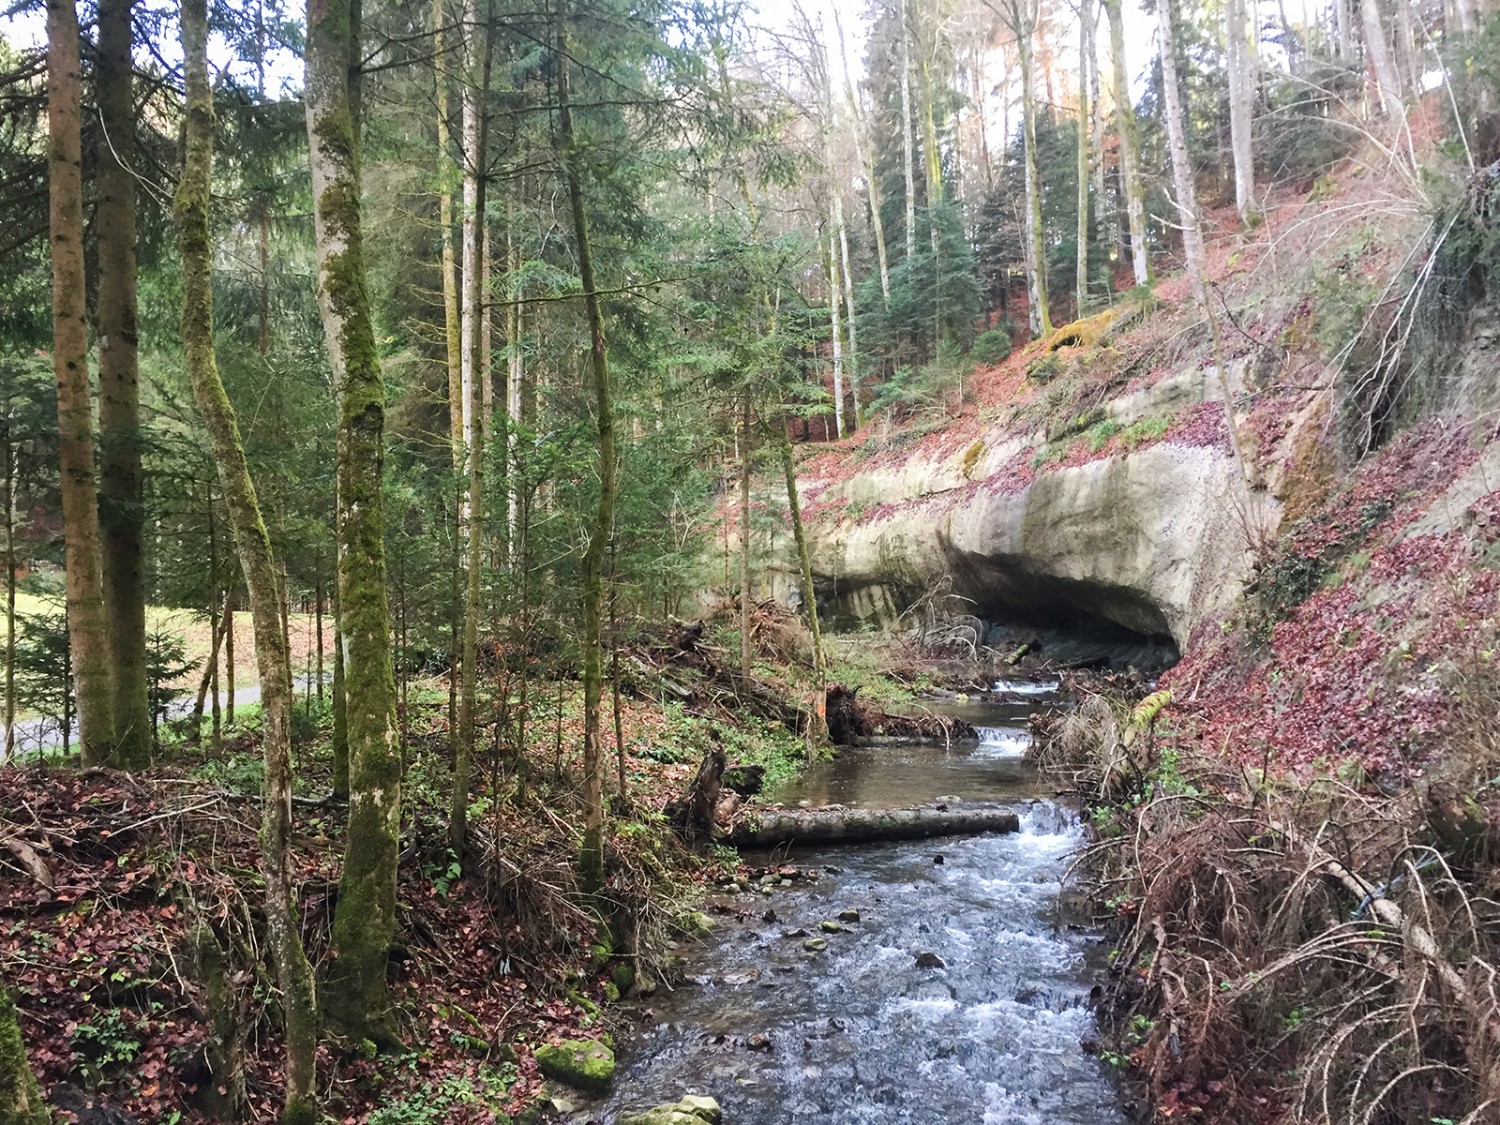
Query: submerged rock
850, 915
694, 1109
584, 1064
930, 960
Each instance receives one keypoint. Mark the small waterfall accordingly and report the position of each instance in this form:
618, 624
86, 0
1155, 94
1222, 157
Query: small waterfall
1026, 687
1002, 742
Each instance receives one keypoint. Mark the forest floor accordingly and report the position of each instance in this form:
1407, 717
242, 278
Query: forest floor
110, 884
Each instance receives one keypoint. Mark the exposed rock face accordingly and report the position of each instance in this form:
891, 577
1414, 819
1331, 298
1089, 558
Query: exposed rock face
1155, 541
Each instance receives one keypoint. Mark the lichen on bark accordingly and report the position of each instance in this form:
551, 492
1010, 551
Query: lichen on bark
356, 999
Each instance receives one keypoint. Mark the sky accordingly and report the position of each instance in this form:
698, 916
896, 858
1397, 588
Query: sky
28, 29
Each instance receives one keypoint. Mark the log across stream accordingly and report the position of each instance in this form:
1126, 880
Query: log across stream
922, 981
769, 827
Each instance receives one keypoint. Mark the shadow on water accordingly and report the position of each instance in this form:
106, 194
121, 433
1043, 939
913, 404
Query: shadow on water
984, 1029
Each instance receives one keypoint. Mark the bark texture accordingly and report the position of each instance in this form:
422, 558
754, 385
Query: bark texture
121, 509
299, 1001
356, 997
88, 624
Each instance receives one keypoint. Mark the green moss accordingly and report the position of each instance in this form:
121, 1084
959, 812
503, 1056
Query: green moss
1143, 431
585, 1064
20, 1098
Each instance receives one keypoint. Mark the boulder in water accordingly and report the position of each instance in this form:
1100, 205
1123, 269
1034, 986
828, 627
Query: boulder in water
927, 959
584, 1064
694, 1109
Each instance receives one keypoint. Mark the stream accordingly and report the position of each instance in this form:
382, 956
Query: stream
860, 1032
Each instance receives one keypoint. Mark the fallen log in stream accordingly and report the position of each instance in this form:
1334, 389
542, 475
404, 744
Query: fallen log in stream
765, 828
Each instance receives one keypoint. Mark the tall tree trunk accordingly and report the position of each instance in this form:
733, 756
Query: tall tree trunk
1130, 145
299, 1001
229, 653
88, 623
908, 156
1182, 169
866, 158
121, 508
474, 375
835, 330
852, 320
1087, 14
453, 338
356, 996
515, 378
10, 598
979, 94
1378, 51
745, 598
1187, 216
1041, 321
1241, 106
817, 720
591, 857
1343, 30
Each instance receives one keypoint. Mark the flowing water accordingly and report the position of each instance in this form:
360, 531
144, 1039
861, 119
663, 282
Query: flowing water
861, 1032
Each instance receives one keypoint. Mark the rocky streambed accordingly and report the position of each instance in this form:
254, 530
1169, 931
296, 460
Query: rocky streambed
923, 981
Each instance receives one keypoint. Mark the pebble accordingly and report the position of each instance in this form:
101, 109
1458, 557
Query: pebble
850, 915
815, 945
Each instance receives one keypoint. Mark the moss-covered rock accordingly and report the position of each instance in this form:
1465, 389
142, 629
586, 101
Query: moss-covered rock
622, 975
584, 1064
691, 1110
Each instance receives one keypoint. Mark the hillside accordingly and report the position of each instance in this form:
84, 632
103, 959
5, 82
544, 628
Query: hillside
1330, 724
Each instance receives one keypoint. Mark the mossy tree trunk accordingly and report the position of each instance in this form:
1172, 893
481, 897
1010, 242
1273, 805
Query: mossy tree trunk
121, 506
299, 1002
591, 858
88, 624
20, 1098
356, 998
